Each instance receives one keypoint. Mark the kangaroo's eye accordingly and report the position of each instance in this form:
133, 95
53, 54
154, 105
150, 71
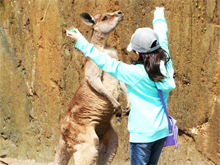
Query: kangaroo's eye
105, 18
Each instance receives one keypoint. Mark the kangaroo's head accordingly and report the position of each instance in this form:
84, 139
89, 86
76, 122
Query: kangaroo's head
103, 23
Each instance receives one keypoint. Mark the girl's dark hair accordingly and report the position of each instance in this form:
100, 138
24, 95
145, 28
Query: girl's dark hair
151, 62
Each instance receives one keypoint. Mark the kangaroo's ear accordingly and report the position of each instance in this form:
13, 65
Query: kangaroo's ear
87, 18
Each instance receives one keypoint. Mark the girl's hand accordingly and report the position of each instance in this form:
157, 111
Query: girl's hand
160, 8
75, 36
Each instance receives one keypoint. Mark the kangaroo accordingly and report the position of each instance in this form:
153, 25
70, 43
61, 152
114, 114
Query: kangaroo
86, 131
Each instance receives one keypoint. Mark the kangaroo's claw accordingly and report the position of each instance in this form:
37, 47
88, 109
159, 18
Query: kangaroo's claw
126, 111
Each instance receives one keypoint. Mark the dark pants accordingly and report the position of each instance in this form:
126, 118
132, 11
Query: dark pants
146, 153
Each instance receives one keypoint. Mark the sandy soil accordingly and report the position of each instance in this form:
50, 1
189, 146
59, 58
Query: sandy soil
13, 161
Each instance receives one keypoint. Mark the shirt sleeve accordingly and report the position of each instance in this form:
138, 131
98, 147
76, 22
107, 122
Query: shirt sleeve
161, 28
129, 74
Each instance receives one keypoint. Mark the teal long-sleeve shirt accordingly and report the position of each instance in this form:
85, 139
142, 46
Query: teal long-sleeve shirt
147, 121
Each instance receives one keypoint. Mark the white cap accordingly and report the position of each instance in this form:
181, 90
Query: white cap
144, 40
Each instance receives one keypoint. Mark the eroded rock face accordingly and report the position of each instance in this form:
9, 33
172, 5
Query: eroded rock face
40, 70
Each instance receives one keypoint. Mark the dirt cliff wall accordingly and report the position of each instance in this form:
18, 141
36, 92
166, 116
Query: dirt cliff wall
40, 70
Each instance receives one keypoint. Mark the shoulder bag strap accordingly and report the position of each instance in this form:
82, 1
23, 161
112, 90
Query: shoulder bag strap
164, 107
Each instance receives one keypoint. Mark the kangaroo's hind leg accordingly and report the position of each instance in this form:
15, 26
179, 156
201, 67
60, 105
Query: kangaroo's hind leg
62, 155
87, 150
108, 147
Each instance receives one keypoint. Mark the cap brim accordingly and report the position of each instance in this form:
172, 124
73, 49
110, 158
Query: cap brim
129, 49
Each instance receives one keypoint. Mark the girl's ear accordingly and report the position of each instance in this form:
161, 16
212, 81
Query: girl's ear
137, 54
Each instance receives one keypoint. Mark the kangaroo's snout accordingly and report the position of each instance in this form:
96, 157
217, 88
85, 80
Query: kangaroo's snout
120, 14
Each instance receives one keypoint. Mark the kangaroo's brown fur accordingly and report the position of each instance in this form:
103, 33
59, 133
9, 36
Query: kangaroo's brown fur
86, 131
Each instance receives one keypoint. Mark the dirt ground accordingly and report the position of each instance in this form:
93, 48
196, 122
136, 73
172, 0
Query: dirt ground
13, 161
184, 155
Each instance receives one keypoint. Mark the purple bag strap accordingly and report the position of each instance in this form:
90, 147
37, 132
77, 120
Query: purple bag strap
165, 108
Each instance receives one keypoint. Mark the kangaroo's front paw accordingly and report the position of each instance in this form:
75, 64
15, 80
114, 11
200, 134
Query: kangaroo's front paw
117, 109
117, 105
126, 111
118, 112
